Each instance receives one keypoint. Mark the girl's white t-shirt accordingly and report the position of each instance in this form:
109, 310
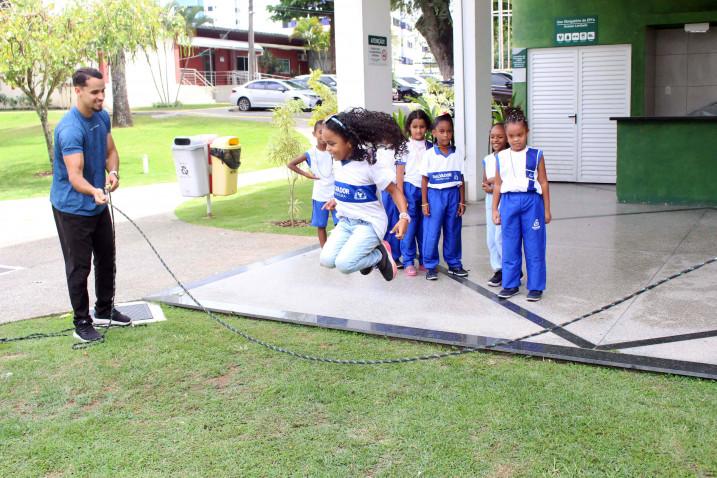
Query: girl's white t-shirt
442, 171
514, 175
412, 160
321, 165
357, 190
489, 165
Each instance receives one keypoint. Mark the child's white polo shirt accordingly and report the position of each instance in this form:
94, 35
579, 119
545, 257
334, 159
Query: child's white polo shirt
357, 190
519, 170
321, 165
412, 160
443, 170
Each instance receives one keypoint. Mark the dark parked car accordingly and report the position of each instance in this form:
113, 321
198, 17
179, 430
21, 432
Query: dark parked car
404, 93
501, 86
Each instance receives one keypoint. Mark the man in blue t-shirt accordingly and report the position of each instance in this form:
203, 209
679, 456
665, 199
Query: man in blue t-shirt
84, 151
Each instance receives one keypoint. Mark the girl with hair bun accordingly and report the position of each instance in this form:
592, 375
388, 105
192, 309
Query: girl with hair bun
355, 138
521, 205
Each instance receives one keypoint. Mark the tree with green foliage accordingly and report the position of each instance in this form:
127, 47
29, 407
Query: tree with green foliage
124, 26
288, 10
270, 63
39, 49
162, 35
329, 103
284, 146
193, 16
317, 40
436, 26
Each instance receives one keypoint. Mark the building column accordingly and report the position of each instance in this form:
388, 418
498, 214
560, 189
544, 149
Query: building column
363, 54
472, 67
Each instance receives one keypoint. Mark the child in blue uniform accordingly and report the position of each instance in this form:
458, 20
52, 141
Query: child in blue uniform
389, 206
321, 171
408, 178
498, 142
521, 205
356, 243
443, 196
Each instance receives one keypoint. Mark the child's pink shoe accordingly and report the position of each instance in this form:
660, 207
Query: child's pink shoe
422, 268
411, 271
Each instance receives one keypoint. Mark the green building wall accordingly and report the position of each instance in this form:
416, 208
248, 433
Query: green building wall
670, 161
619, 22
658, 161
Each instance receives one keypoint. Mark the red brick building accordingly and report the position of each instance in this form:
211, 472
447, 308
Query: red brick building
220, 56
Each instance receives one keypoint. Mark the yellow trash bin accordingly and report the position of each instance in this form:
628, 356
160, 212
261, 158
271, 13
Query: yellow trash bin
226, 154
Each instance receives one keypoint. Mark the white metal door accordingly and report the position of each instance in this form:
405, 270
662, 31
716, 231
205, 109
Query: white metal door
572, 93
552, 100
604, 92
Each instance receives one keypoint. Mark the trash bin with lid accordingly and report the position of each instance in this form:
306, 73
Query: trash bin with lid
226, 154
190, 162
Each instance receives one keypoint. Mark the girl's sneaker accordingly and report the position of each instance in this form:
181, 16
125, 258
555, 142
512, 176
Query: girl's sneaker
399, 264
497, 279
458, 271
534, 295
410, 271
386, 264
508, 293
431, 274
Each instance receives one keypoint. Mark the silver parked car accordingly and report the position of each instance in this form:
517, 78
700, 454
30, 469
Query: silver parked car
271, 93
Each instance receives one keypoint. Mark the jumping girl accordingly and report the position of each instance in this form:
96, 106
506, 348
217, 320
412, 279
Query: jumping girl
443, 196
353, 138
408, 178
521, 204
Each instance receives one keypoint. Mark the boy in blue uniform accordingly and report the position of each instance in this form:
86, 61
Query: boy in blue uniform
321, 168
521, 205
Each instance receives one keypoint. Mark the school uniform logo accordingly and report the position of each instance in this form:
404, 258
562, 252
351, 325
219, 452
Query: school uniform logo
536, 225
441, 177
356, 194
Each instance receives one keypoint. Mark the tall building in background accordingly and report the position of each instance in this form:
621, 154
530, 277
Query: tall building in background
234, 14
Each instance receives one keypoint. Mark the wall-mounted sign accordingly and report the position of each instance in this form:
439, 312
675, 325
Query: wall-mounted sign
518, 61
377, 50
572, 31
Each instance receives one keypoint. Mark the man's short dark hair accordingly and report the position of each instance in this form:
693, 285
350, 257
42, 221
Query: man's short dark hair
80, 77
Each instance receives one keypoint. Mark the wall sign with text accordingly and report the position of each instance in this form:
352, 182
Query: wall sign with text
377, 50
572, 31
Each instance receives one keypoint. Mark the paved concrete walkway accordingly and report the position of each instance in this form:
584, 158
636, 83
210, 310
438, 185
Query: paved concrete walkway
29, 242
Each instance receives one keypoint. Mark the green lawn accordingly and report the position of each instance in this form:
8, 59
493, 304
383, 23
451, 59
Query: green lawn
199, 106
24, 164
253, 209
187, 398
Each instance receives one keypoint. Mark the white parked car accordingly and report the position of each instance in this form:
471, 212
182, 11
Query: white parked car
271, 93
328, 80
415, 82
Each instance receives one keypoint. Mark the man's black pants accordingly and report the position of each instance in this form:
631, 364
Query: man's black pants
81, 237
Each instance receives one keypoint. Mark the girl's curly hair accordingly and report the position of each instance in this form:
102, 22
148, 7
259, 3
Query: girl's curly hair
418, 113
367, 131
513, 114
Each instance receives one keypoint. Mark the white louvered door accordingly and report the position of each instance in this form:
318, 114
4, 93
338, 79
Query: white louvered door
580, 144
604, 79
552, 99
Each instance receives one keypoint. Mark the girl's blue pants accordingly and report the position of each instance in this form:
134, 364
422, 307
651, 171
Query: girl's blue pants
392, 214
414, 233
443, 206
522, 219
